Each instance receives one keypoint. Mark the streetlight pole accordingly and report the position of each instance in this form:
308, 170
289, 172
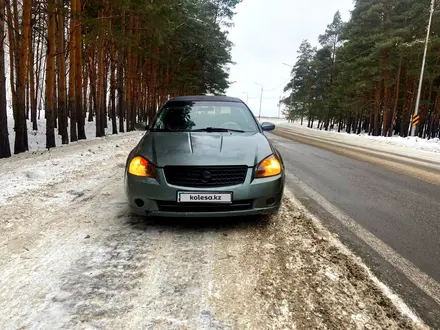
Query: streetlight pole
416, 112
261, 100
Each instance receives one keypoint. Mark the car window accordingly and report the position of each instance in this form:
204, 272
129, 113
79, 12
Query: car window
199, 115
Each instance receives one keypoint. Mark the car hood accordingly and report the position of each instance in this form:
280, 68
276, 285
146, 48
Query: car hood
203, 148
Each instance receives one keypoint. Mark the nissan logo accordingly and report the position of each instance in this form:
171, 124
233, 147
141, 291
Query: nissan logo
206, 176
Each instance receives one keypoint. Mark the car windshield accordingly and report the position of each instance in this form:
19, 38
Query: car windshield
196, 116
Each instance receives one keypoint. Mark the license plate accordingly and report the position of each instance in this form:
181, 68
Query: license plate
190, 197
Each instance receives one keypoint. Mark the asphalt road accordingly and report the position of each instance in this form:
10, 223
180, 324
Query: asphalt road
390, 219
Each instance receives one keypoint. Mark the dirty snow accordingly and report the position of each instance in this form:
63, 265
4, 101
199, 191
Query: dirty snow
75, 258
22, 173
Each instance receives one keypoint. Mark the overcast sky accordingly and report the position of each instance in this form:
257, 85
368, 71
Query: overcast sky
268, 33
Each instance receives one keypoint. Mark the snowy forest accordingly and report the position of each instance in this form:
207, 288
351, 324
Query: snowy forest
76, 61
364, 75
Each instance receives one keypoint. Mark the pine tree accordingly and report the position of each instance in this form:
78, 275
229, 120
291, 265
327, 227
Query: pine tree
122, 60
50, 75
366, 73
5, 150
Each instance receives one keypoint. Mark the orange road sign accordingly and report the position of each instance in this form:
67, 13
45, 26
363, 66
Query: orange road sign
416, 120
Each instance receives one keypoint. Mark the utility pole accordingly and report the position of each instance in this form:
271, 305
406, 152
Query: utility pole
416, 111
261, 100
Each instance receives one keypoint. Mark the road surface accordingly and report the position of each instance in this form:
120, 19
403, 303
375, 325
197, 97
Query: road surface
388, 213
72, 257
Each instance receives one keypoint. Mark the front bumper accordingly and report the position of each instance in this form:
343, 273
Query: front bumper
158, 198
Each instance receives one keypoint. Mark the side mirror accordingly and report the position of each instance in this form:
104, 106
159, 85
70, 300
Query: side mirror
141, 126
267, 126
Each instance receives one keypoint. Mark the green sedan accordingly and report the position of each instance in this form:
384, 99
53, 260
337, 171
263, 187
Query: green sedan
204, 156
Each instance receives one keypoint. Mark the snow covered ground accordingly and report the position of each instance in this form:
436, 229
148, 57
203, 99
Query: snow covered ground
29, 171
37, 139
408, 143
72, 256
432, 145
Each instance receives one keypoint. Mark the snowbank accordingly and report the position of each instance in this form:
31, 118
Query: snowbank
37, 139
432, 145
30, 171
276, 121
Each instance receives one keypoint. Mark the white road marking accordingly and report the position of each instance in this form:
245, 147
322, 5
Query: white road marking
411, 271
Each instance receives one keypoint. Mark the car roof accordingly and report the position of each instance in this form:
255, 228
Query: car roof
205, 98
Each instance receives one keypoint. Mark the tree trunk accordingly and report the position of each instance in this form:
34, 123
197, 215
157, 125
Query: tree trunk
134, 95
121, 96
55, 105
129, 78
78, 74
14, 50
85, 88
424, 113
12, 56
377, 108
371, 124
37, 91
405, 106
62, 93
151, 105
431, 133
436, 119
100, 117
21, 141
386, 73
359, 125
50, 83
72, 74
93, 111
31, 73
396, 99
412, 102
5, 149
27, 89
92, 79
104, 120
98, 114
349, 124
113, 89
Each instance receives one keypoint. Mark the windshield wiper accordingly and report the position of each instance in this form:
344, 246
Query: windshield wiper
217, 129
166, 130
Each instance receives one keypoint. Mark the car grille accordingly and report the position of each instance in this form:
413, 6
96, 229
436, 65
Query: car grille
169, 206
205, 177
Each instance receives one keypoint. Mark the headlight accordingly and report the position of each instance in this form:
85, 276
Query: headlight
141, 167
270, 166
